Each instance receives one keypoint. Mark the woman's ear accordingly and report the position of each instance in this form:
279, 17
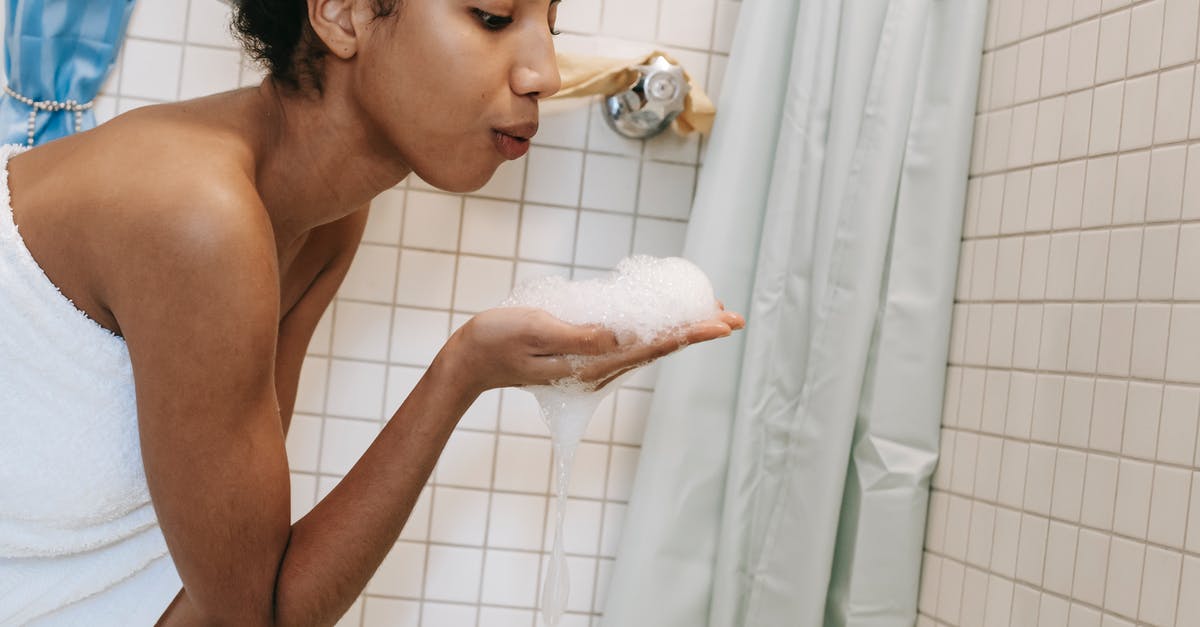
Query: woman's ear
332, 21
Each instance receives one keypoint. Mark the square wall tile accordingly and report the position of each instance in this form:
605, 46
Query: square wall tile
1160, 586
1177, 426
489, 227
150, 69
1081, 59
610, 182
686, 23
360, 330
1168, 506
1145, 37
516, 521
1167, 170
659, 238
417, 335
1133, 498
382, 612
425, 279
523, 464
467, 460
431, 220
453, 574
356, 389
547, 234
208, 23
627, 19
1137, 123
1179, 36
385, 218
304, 442
208, 71
1123, 588
508, 181
580, 17
554, 176
1183, 364
1099, 491
159, 20
603, 239
401, 572
666, 190
1114, 45
459, 516
482, 283
372, 275
510, 578
566, 128
311, 388
1029, 68
344, 442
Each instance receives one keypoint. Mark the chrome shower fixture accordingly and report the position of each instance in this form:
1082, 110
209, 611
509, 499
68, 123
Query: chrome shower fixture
651, 104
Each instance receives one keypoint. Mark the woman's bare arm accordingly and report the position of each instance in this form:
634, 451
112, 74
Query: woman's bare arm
200, 323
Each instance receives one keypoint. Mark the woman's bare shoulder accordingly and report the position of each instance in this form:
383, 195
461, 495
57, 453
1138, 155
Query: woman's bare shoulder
121, 206
169, 160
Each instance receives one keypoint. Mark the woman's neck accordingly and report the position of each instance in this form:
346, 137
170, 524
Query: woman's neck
316, 159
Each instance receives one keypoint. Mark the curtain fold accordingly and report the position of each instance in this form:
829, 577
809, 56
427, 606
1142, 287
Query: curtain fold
58, 50
784, 474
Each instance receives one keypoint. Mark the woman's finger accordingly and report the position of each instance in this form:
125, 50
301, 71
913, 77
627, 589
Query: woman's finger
551, 368
587, 339
733, 319
601, 368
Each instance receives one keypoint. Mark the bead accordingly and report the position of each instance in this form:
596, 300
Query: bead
49, 106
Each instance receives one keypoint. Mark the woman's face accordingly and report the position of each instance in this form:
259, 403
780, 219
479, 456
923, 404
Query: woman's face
455, 84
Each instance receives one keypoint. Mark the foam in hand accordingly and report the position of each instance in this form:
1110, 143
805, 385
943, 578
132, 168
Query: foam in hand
645, 297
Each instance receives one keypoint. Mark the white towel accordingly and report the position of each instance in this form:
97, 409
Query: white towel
79, 539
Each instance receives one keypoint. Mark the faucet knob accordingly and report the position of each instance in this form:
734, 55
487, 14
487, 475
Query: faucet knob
651, 104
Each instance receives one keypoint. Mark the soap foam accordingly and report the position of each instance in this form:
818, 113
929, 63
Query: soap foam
645, 297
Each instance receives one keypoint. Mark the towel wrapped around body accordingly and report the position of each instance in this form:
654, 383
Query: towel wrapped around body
79, 540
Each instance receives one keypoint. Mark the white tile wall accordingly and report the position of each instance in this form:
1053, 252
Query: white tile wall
1067, 493
474, 548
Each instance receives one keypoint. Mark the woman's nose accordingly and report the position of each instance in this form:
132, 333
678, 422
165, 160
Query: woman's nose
536, 72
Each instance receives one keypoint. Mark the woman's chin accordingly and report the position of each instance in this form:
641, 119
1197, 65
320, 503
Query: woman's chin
460, 181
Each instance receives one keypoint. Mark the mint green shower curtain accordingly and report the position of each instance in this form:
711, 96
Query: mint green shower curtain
784, 473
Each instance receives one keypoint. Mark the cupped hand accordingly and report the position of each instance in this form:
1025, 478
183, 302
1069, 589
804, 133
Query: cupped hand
518, 346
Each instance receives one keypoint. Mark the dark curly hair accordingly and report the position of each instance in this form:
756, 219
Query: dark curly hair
278, 35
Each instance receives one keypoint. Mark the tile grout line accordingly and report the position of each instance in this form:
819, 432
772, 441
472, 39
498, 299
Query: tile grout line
1187, 156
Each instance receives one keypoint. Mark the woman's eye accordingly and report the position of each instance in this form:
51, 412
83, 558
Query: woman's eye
491, 21
554, 17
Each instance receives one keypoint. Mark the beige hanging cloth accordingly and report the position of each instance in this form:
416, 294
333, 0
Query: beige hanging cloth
585, 75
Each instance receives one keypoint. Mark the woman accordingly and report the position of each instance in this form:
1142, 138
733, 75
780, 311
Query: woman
206, 238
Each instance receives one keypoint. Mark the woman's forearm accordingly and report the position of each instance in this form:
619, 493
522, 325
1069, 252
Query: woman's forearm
335, 548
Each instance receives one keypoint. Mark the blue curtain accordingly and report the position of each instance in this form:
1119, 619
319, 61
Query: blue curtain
57, 51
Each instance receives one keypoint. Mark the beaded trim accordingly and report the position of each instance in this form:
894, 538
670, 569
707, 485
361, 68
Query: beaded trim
48, 105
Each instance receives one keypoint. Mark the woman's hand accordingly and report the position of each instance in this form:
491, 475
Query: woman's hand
516, 346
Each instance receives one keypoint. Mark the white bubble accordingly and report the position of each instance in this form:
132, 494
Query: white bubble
645, 296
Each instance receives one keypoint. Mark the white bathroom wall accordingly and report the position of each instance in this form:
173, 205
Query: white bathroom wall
475, 547
1067, 493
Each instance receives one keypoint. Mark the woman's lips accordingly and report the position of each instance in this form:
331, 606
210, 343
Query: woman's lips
509, 146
